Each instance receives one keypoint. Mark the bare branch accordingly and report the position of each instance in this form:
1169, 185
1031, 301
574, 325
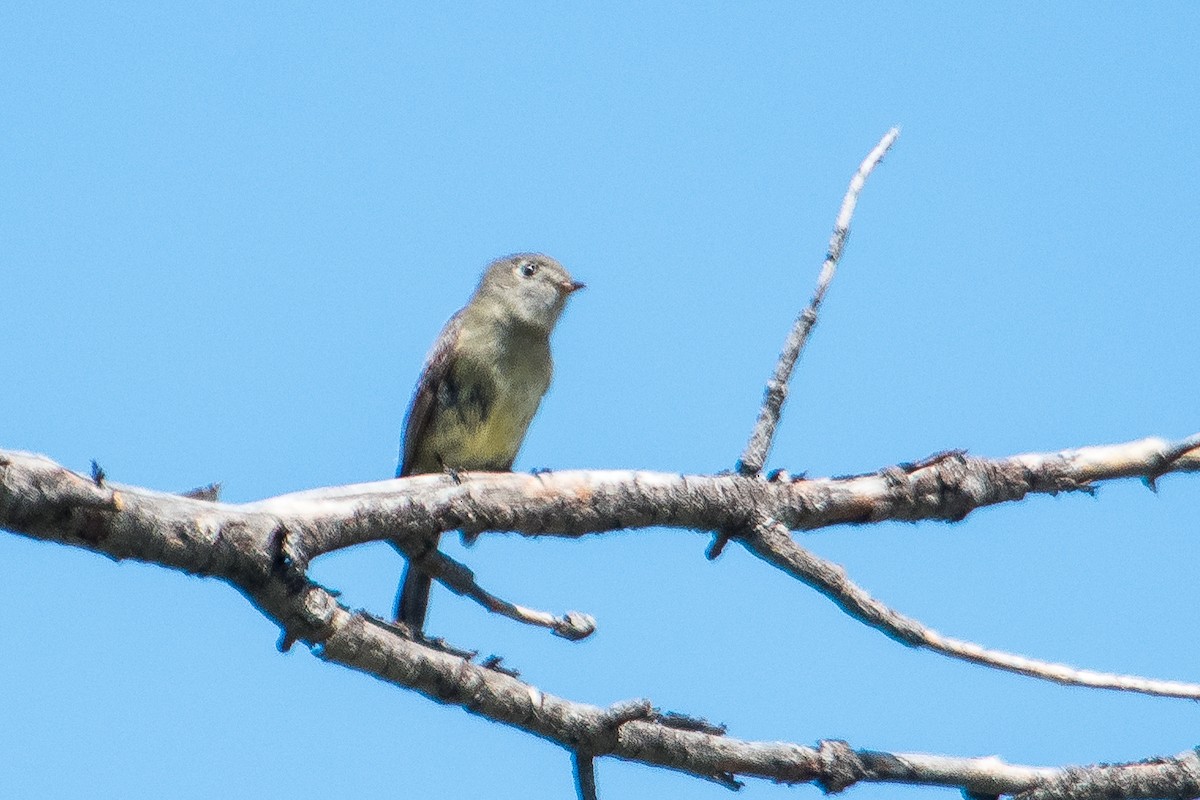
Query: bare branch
1177, 777
575, 503
773, 543
458, 578
755, 454
407, 512
585, 776
252, 550
1169, 457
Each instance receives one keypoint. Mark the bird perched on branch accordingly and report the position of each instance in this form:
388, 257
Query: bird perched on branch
481, 384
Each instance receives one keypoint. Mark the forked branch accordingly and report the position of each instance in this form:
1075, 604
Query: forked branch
410, 511
263, 550
243, 548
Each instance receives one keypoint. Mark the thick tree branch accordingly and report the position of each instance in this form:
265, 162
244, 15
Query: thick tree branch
408, 512
1177, 777
250, 549
576, 503
759, 445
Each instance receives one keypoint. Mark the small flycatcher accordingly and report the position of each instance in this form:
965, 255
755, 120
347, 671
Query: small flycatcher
482, 383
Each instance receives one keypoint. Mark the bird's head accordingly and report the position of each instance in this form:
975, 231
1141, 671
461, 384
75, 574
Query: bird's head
530, 288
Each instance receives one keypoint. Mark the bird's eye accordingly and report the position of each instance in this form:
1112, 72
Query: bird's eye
528, 269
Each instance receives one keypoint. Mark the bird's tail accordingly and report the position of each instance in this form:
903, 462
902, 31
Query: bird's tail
412, 601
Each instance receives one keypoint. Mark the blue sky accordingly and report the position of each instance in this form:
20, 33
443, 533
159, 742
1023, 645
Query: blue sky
228, 235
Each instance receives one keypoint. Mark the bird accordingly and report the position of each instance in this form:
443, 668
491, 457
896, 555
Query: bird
481, 384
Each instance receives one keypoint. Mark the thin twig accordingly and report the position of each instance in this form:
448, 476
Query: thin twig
458, 578
773, 543
755, 454
585, 775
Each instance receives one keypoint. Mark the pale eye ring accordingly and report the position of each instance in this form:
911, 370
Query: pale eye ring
528, 269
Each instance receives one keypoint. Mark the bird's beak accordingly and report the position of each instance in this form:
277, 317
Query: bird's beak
570, 287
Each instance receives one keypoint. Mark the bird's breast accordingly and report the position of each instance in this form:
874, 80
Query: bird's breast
484, 410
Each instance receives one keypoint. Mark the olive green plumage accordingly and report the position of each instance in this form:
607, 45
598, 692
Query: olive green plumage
482, 383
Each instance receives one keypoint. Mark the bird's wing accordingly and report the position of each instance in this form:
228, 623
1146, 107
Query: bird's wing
420, 410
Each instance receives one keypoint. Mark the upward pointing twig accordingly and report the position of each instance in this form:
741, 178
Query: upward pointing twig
755, 454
